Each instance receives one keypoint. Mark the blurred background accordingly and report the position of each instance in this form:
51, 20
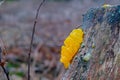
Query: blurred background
56, 20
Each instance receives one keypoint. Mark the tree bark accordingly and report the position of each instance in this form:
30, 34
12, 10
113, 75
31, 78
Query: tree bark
102, 42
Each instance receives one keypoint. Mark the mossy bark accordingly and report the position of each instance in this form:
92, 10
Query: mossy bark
102, 41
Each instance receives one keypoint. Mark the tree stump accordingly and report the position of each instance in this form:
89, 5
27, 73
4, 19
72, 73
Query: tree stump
102, 42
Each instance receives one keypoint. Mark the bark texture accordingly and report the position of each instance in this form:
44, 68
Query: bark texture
102, 42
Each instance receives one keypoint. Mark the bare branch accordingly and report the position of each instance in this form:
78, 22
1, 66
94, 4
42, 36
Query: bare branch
6, 72
2, 65
31, 43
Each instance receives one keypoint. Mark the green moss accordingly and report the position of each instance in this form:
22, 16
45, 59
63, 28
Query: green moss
13, 65
20, 74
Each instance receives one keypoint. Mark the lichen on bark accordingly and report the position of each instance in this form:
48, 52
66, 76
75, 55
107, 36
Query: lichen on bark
102, 27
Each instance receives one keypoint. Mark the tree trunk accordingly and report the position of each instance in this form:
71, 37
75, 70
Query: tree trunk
102, 42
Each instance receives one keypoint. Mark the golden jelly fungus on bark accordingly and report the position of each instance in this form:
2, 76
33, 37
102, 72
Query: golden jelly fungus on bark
106, 6
71, 45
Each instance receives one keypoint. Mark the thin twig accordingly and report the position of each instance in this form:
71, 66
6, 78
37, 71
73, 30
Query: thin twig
6, 72
2, 65
31, 43
0, 55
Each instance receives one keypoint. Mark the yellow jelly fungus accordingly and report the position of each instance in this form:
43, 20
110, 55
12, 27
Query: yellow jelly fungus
106, 6
71, 45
